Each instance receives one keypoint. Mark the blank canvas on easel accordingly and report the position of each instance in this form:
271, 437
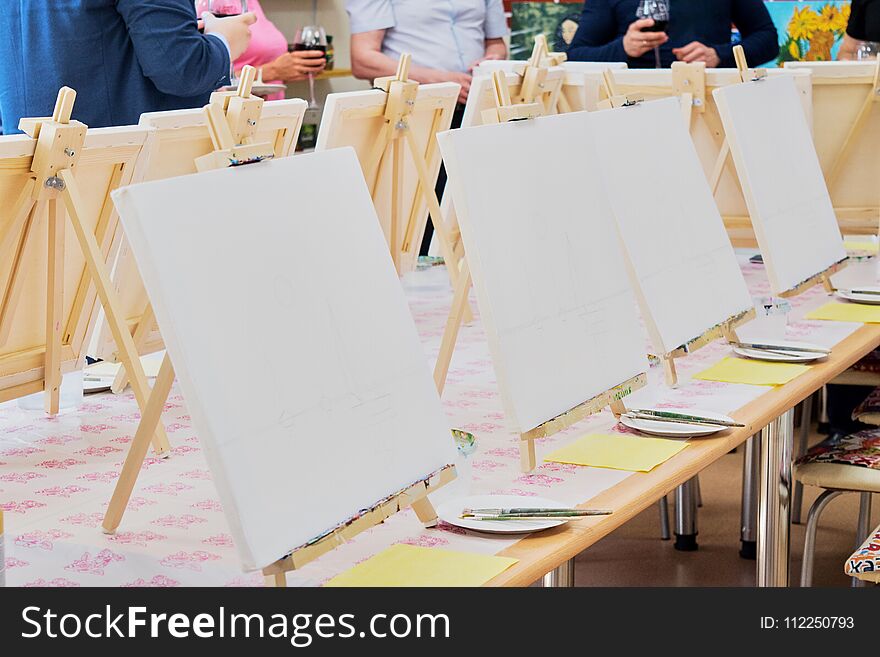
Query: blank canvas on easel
553, 292
686, 273
782, 181
292, 342
176, 139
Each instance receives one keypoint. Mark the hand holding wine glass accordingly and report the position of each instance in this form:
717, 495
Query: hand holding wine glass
658, 13
219, 18
311, 38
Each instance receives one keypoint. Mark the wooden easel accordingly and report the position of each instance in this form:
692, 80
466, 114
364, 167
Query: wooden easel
690, 80
233, 118
504, 111
399, 106
507, 111
53, 188
176, 141
746, 74
846, 104
234, 112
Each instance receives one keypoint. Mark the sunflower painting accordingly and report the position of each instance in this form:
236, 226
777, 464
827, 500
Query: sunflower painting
809, 31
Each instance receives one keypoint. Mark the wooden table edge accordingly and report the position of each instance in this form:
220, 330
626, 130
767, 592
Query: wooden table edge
540, 553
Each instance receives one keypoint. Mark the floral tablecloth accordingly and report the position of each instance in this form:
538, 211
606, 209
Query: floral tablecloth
57, 474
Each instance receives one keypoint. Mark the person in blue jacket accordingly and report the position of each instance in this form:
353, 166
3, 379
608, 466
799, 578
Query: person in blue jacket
122, 57
698, 31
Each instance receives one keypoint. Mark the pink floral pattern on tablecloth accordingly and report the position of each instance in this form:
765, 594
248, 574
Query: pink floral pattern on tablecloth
57, 475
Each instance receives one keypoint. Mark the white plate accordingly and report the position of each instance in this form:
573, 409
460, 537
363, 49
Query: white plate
101, 384
677, 429
450, 512
871, 299
788, 357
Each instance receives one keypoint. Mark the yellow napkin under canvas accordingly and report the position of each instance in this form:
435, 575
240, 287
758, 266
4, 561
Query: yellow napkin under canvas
752, 372
618, 452
409, 565
847, 312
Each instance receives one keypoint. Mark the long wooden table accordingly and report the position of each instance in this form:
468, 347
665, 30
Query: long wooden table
770, 414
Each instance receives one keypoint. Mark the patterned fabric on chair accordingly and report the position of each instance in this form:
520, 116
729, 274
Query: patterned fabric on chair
850, 464
865, 562
869, 410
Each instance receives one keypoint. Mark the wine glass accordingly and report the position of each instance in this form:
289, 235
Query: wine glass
868, 50
311, 37
659, 11
223, 9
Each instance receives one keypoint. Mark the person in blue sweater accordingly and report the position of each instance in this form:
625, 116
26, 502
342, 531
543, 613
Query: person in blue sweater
122, 57
699, 31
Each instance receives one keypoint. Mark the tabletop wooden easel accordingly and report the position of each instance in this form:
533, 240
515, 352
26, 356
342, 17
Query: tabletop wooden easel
689, 80
505, 111
51, 189
175, 144
400, 104
233, 118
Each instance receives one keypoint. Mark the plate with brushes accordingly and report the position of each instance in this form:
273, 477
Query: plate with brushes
865, 294
510, 514
781, 351
677, 423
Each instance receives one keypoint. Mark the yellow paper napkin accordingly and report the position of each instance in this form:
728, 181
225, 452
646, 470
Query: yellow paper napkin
753, 372
409, 565
847, 312
618, 452
870, 247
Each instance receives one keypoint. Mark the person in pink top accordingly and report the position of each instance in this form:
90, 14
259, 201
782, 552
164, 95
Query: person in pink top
268, 51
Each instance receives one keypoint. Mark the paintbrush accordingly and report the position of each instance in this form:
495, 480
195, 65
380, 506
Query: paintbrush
860, 291
781, 347
680, 418
534, 512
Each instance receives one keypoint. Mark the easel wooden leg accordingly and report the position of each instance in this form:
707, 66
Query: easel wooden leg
671, 374
433, 204
425, 512
115, 319
850, 140
453, 324
527, 457
278, 581
150, 420
12, 291
54, 308
718, 169
396, 201
145, 325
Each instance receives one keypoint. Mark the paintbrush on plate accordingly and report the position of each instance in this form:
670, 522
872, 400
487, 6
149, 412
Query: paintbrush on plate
679, 418
532, 514
781, 348
875, 292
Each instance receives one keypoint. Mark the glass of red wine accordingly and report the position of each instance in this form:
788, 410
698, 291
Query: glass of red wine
311, 37
223, 9
658, 10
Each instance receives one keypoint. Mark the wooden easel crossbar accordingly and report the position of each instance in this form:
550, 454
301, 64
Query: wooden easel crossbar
53, 190
822, 278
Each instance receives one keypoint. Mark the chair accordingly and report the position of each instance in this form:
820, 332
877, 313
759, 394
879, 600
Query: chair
851, 465
864, 564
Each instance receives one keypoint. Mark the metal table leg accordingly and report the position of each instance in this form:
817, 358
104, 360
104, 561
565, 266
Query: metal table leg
774, 502
686, 516
749, 511
561, 577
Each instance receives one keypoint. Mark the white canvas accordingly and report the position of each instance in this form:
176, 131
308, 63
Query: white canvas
292, 341
680, 257
782, 181
553, 292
